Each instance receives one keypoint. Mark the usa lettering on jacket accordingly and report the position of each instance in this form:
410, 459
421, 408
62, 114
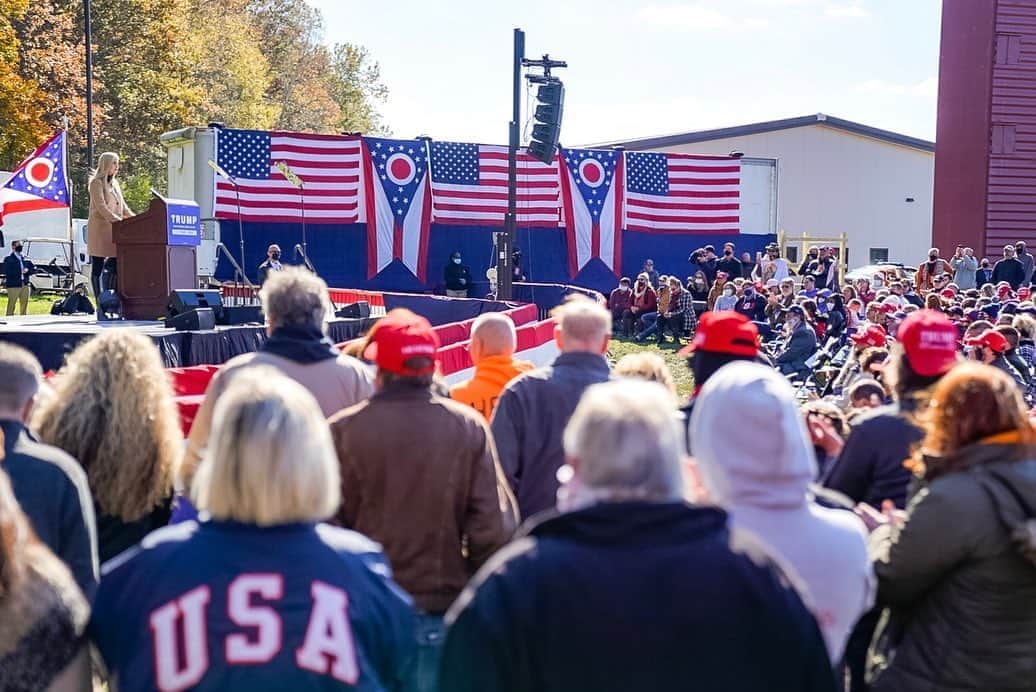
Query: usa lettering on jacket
180, 636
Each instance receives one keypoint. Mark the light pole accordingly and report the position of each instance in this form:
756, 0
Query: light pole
87, 31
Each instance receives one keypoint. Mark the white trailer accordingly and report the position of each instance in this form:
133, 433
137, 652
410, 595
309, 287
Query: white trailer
190, 177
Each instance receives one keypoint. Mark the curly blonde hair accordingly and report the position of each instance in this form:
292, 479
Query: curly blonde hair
113, 410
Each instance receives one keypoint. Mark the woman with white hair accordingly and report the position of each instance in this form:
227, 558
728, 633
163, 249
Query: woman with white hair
258, 595
106, 206
629, 587
756, 460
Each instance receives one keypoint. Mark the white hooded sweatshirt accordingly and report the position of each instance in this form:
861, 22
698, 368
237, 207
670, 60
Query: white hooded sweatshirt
756, 459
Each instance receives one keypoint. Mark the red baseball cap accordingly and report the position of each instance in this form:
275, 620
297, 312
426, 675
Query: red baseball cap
873, 335
929, 340
396, 338
991, 339
1024, 292
948, 293
724, 332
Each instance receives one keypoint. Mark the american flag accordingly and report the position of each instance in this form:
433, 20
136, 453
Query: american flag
469, 186
328, 165
682, 193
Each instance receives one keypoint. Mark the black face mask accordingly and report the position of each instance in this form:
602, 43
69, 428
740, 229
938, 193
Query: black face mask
16, 248
728, 253
275, 255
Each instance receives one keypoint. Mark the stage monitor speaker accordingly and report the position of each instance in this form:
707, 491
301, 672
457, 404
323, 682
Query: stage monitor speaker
358, 309
182, 300
198, 319
240, 314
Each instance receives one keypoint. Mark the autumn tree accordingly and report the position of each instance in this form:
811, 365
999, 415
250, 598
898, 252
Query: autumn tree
51, 54
356, 86
230, 73
21, 112
163, 64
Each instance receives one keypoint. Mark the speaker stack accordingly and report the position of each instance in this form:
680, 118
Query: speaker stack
204, 309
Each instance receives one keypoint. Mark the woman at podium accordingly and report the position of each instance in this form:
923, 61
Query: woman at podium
106, 205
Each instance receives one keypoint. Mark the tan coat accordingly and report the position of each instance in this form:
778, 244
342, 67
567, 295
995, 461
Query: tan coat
106, 206
335, 384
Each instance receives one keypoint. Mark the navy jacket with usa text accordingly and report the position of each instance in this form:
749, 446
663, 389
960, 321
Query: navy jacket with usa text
227, 606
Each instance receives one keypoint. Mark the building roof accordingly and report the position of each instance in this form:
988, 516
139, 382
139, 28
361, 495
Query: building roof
664, 141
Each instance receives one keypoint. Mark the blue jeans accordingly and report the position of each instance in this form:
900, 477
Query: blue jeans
430, 631
650, 325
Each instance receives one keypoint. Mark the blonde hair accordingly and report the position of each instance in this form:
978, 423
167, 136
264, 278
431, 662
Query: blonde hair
646, 365
113, 410
104, 162
270, 459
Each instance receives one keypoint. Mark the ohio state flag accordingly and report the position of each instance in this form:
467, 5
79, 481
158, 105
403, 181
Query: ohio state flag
399, 204
39, 182
592, 198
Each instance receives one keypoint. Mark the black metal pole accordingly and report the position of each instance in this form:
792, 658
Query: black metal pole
505, 241
88, 33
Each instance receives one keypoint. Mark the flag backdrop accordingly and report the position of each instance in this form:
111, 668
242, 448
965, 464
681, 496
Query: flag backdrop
469, 186
398, 203
592, 189
328, 165
683, 193
40, 181
386, 214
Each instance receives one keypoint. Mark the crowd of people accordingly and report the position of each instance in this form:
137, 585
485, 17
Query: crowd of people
346, 520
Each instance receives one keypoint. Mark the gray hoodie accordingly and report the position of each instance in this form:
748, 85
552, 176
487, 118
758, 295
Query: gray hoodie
757, 461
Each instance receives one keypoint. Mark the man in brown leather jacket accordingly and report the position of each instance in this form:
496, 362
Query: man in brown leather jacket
420, 475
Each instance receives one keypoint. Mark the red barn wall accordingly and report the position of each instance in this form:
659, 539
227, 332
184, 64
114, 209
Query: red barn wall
985, 153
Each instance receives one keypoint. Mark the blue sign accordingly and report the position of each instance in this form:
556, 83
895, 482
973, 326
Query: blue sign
183, 219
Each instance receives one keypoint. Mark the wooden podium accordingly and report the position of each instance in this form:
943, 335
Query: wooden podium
156, 252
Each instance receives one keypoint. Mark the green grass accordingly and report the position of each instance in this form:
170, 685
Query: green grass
38, 304
682, 376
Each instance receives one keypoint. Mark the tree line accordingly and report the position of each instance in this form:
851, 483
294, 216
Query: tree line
164, 64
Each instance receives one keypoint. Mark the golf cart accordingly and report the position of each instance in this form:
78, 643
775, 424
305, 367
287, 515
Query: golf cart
56, 268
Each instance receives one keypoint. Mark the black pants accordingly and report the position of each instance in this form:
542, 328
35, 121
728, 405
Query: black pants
99, 266
96, 267
673, 324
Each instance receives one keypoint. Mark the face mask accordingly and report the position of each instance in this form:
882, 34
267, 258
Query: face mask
624, 287
699, 283
793, 321
275, 255
812, 255
456, 260
728, 253
728, 291
17, 249
830, 306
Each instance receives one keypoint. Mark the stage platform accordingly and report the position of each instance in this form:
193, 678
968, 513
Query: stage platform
52, 337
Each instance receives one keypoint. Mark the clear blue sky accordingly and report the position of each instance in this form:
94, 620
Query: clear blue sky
641, 68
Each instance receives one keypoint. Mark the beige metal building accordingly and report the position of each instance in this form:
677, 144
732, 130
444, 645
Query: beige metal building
834, 176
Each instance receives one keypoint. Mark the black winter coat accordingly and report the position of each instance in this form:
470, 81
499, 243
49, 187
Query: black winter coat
631, 597
457, 276
1010, 270
963, 598
870, 468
